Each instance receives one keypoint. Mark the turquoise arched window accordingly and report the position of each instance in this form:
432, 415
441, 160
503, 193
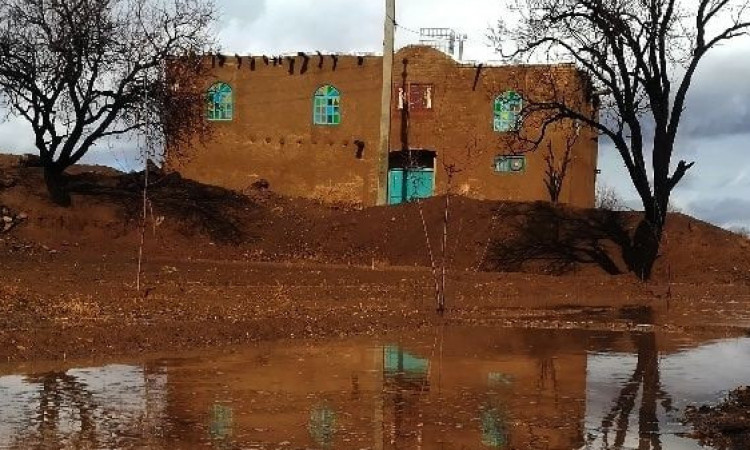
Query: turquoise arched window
507, 111
327, 106
219, 102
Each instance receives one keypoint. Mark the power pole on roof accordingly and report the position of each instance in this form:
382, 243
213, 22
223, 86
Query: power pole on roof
385, 101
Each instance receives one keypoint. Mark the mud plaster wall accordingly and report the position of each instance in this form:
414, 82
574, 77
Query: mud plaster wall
272, 135
460, 129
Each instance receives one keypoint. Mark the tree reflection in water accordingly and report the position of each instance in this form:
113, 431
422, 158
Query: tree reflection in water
646, 380
106, 407
59, 392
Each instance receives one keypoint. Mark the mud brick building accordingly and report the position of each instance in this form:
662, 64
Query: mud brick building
309, 125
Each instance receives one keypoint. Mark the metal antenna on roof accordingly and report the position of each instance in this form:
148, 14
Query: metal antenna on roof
443, 39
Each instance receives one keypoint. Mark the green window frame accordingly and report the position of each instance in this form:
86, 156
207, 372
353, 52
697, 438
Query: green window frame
510, 164
327, 106
219, 102
507, 111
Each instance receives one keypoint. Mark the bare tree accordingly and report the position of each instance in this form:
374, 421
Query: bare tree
79, 71
608, 199
640, 57
556, 171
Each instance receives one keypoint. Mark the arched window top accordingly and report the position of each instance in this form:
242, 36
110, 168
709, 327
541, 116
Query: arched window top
326, 106
507, 111
220, 102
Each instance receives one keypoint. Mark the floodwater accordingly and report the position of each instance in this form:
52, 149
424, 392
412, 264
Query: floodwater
444, 388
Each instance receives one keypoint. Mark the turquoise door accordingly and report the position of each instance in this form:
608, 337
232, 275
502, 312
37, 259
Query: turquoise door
408, 185
396, 191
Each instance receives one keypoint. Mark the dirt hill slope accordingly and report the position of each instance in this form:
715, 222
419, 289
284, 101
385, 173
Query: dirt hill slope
191, 220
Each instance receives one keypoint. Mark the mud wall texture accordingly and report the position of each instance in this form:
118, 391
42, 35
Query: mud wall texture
272, 134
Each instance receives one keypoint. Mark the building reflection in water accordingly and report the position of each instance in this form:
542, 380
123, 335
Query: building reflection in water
221, 425
494, 427
322, 425
477, 388
405, 381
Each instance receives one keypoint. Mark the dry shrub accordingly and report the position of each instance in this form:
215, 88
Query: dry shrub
608, 199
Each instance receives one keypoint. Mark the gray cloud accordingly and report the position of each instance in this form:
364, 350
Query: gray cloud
722, 170
719, 99
723, 211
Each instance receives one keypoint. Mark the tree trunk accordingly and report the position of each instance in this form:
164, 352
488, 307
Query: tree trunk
648, 419
646, 242
56, 185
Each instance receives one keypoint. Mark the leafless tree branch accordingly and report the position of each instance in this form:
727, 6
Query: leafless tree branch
80, 71
640, 58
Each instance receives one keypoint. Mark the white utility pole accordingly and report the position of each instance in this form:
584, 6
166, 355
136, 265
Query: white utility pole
385, 101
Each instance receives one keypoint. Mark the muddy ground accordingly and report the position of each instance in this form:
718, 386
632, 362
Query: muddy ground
60, 307
223, 267
725, 426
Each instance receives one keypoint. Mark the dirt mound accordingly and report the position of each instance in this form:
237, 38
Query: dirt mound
187, 219
108, 205
725, 426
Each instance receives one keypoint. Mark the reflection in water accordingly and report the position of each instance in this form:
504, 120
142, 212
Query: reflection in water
221, 425
473, 388
405, 377
100, 407
496, 380
322, 425
645, 379
637, 400
494, 427
397, 361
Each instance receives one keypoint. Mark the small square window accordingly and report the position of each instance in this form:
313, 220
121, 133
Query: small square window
510, 164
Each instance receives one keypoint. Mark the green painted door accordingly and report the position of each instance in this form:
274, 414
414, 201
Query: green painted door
406, 185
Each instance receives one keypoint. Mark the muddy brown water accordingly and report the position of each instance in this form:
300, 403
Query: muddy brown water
444, 388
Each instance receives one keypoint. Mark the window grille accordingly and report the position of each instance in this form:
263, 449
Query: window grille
507, 111
327, 106
220, 104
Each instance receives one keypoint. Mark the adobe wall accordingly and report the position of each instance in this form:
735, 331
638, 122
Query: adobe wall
272, 135
460, 128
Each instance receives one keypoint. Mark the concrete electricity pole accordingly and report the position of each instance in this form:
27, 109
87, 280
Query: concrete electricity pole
385, 101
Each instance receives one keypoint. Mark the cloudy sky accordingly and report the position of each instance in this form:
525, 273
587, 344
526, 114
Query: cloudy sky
715, 133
